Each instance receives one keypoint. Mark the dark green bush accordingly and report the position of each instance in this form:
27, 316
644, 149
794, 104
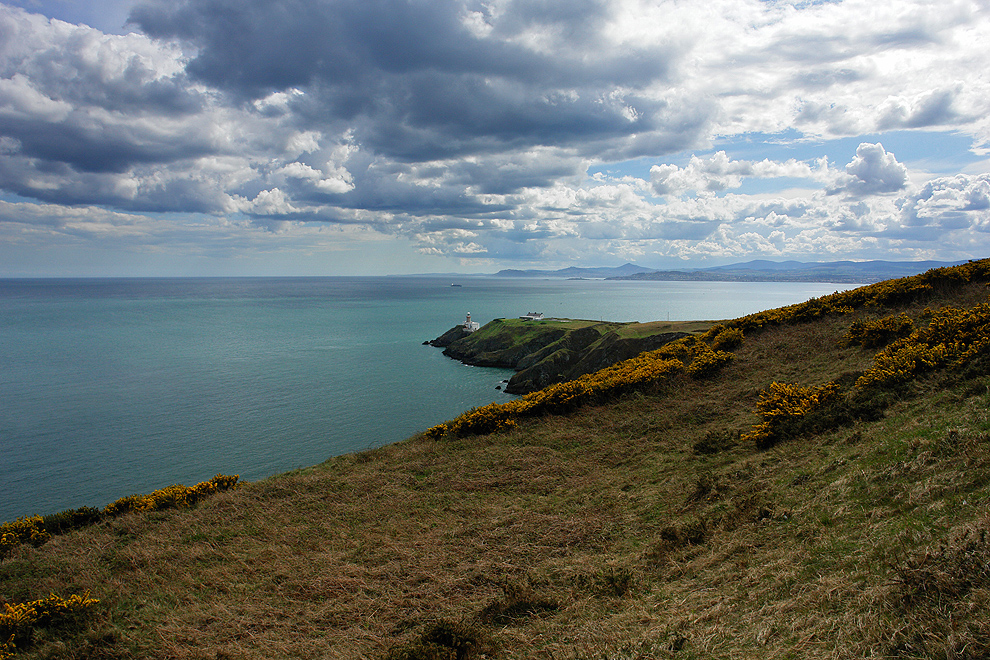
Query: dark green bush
877, 333
518, 602
66, 521
443, 640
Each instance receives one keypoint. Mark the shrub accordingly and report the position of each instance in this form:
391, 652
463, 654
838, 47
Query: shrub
171, 497
879, 332
632, 374
22, 530
444, 640
518, 602
881, 294
782, 405
66, 521
18, 619
954, 338
728, 339
37, 530
708, 363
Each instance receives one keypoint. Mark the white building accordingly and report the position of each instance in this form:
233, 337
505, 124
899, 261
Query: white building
469, 325
532, 316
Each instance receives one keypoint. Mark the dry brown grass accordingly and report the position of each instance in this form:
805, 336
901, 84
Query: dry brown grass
601, 534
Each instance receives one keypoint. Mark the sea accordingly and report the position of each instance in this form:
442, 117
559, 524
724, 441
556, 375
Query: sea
112, 387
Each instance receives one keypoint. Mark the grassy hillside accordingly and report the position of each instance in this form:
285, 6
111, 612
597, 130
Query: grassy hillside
691, 513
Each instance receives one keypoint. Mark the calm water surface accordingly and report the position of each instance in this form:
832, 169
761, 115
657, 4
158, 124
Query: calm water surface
118, 386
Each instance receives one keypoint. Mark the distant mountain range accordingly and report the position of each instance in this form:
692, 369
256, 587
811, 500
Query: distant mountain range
626, 270
845, 272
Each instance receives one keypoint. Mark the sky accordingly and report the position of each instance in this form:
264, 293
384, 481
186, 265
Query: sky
373, 137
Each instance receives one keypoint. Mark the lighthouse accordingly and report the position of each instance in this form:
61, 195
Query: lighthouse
469, 325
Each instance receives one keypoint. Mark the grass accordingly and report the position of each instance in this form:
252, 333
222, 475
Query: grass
640, 330
641, 528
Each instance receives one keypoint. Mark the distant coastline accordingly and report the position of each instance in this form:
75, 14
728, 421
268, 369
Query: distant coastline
843, 272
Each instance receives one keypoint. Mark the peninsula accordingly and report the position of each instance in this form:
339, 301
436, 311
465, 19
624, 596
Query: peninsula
548, 351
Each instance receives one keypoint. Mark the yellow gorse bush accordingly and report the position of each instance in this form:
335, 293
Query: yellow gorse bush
17, 619
905, 289
953, 338
171, 497
878, 332
23, 530
727, 339
708, 362
784, 402
33, 529
635, 373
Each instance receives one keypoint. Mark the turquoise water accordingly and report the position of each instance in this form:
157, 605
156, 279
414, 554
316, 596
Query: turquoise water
114, 387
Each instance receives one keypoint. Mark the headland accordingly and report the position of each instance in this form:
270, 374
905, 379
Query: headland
552, 350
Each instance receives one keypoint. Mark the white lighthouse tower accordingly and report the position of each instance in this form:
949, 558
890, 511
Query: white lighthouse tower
469, 325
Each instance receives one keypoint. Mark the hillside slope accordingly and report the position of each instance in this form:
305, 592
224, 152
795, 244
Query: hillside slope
678, 512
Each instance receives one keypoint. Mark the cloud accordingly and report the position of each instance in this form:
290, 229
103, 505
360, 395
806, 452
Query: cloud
946, 204
719, 173
469, 126
873, 171
94, 102
932, 109
424, 81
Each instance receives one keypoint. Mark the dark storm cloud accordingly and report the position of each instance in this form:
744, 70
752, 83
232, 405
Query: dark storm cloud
255, 47
413, 76
89, 146
68, 186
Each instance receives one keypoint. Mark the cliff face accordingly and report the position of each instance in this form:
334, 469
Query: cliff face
569, 363
547, 352
449, 337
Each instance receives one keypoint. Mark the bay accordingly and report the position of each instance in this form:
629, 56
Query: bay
111, 387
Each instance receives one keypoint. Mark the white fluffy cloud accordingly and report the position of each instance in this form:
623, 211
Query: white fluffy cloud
873, 171
718, 173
